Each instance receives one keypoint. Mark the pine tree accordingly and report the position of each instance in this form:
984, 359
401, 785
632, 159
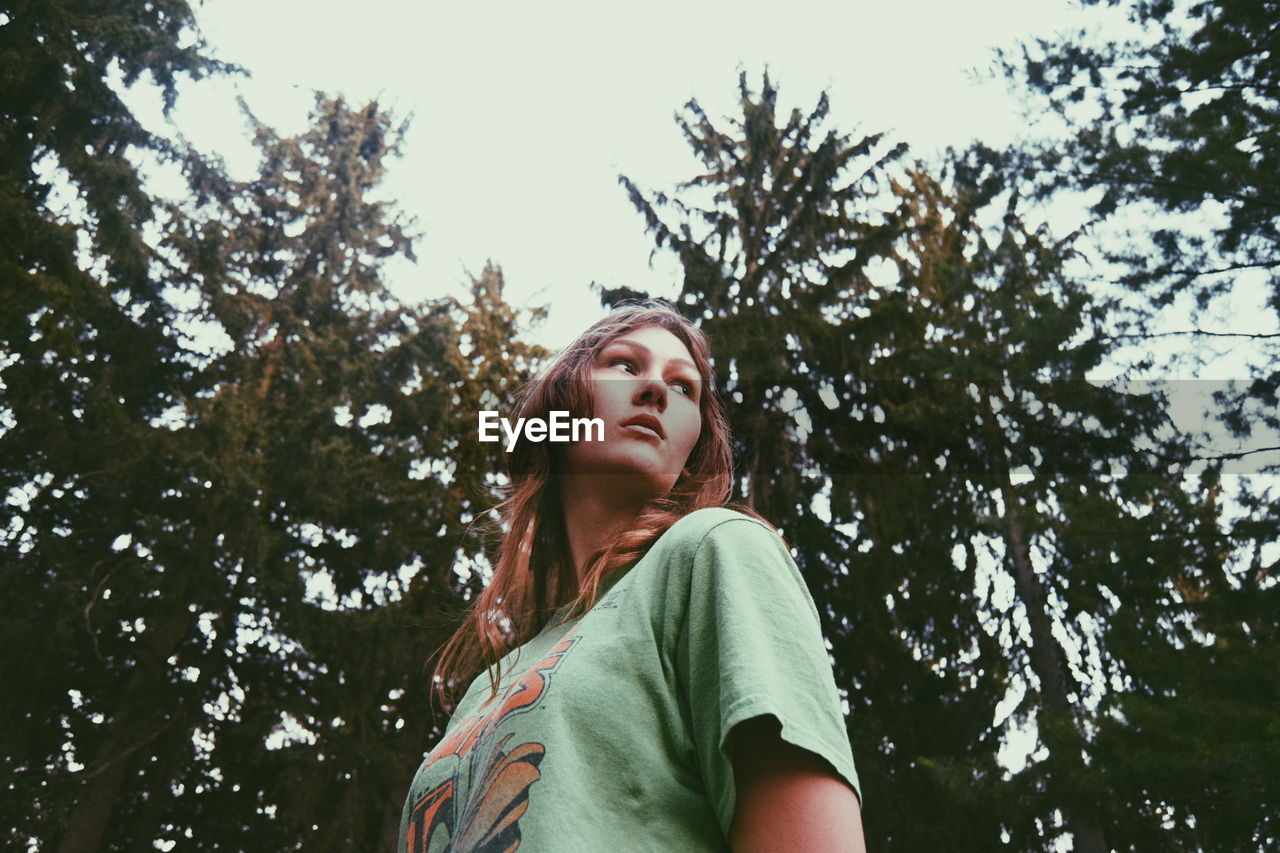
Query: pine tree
331, 445
1174, 132
297, 424
1099, 538
782, 260
303, 435
207, 404
918, 400
89, 364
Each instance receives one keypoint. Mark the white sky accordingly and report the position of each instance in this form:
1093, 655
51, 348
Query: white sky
525, 113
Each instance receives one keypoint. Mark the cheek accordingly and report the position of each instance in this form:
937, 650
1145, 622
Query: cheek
690, 430
610, 391
600, 398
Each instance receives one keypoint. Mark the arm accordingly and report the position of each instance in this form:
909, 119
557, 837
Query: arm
787, 797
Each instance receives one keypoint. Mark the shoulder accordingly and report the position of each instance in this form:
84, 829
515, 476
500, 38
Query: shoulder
701, 542
719, 522
717, 541
717, 566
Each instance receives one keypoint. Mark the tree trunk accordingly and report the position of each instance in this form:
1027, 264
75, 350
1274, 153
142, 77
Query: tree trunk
1046, 655
132, 728
1047, 662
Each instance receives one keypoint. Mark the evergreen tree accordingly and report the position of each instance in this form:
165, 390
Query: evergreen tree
1182, 120
497, 363
906, 408
208, 406
89, 364
783, 259
303, 433
324, 447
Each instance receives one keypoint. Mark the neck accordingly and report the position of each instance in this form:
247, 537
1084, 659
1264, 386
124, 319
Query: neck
597, 509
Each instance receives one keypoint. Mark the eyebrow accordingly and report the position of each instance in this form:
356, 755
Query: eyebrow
682, 362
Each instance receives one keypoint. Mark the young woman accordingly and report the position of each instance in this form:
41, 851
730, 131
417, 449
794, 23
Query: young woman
646, 667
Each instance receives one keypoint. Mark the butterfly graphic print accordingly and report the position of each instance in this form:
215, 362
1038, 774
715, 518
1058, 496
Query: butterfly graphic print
487, 818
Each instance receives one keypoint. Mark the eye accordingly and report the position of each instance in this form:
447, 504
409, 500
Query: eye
625, 361
685, 384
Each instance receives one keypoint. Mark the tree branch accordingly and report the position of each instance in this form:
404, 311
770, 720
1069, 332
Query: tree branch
1259, 335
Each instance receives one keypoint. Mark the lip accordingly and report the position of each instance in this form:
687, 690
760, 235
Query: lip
646, 421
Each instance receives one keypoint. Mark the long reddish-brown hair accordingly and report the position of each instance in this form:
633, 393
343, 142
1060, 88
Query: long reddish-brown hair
534, 575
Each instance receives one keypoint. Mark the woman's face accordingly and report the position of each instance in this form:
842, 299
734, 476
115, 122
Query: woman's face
646, 374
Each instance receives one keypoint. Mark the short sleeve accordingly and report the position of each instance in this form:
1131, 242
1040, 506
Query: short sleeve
751, 645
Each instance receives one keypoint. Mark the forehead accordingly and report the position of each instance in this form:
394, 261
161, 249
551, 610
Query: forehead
661, 344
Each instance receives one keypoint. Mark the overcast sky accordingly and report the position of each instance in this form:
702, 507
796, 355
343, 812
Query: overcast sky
525, 113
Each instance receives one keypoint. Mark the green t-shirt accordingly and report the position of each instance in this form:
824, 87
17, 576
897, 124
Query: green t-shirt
609, 731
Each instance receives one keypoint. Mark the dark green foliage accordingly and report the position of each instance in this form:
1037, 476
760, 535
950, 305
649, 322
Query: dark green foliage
1192, 746
87, 365
205, 404
306, 431
1185, 121
1176, 135
61, 113
895, 346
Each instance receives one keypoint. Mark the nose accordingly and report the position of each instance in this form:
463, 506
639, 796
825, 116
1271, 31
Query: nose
651, 389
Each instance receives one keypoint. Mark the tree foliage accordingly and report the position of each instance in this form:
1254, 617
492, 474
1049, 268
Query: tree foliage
1185, 116
235, 464
985, 534
238, 475
1174, 132
87, 363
